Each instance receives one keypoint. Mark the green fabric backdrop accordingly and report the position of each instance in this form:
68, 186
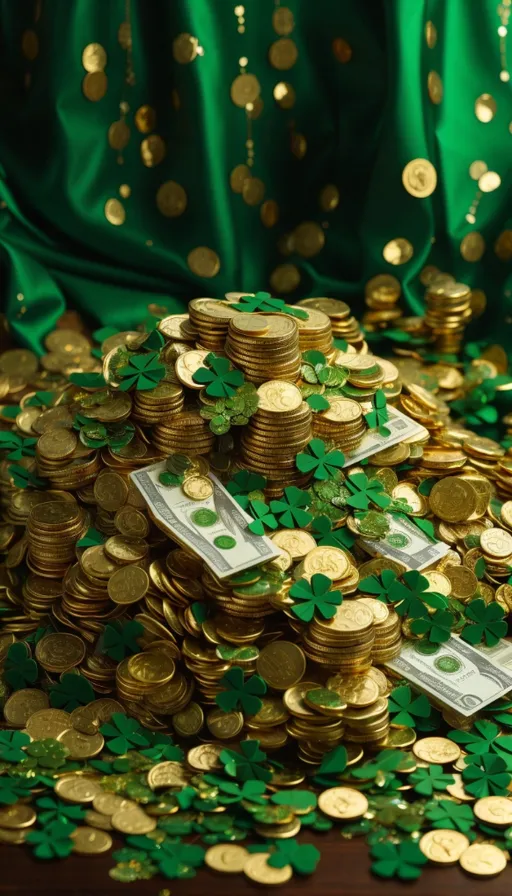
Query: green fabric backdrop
354, 125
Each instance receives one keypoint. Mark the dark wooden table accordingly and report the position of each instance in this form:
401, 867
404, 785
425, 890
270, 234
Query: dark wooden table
343, 871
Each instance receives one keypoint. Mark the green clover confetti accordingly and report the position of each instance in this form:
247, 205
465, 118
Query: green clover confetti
161, 748
403, 860
54, 842
486, 623
73, 690
411, 594
142, 372
120, 639
220, 379
487, 776
303, 857
448, 814
379, 586
262, 517
246, 765
291, 509
481, 739
231, 792
263, 301
14, 789
378, 416
320, 462
16, 446
437, 628
241, 693
11, 745
426, 780
122, 734
324, 534
364, 491
315, 596
405, 707
58, 810
20, 669
243, 484
23, 478
178, 860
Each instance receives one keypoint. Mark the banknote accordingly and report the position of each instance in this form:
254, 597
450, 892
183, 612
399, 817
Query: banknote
454, 674
400, 427
501, 654
219, 534
406, 544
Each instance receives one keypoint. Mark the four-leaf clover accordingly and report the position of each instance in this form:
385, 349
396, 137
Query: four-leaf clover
58, 810
120, 641
262, 517
245, 765
240, 693
411, 594
486, 623
437, 628
290, 510
54, 842
403, 860
378, 416
405, 707
11, 743
123, 734
379, 586
488, 776
426, 780
20, 670
220, 379
448, 814
317, 460
364, 491
142, 372
315, 596
73, 690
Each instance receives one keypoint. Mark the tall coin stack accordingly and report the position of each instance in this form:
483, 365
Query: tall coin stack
211, 320
344, 642
381, 297
366, 716
264, 346
53, 529
315, 332
387, 629
342, 424
152, 405
447, 314
316, 724
184, 433
344, 325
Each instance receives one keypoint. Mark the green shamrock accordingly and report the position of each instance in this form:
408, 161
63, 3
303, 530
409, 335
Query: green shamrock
487, 776
316, 596
119, 639
239, 693
405, 707
378, 416
54, 842
500, 712
427, 780
48, 752
324, 534
379, 586
178, 860
22, 478
73, 690
303, 857
385, 761
220, 379
334, 762
486, 623
411, 594
20, 670
89, 381
321, 463
290, 510
262, 517
14, 789
11, 743
245, 765
57, 810
243, 484
364, 491
403, 860
142, 372
437, 628
170, 479
161, 748
17, 446
448, 814
318, 403
481, 739
263, 302
123, 734
231, 792
91, 538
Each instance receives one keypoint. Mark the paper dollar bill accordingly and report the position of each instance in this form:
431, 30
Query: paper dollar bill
214, 528
501, 654
454, 674
400, 427
406, 544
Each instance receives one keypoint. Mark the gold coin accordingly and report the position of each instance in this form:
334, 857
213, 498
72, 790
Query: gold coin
90, 841
57, 444
279, 396
94, 58
281, 664
224, 725
342, 410
329, 198
171, 199
398, 251
14, 837
98, 821
472, 246
355, 690
30, 44
283, 53
496, 543
485, 107
75, 789
463, 582
184, 48
107, 803
285, 278
227, 858
110, 491
198, 488
151, 667
153, 150
115, 212
483, 860
145, 119
118, 134
453, 499
253, 190
430, 35
295, 542
257, 870
189, 721
309, 239
443, 846
168, 774
283, 21
205, 757
245, 89
17, 816
329, 561
489, 181
203, 262
503, 249
81, 746
436, 750
133, 821
342, 50
128, 585
284, 95
238, 177
419, 178
21, 705
131, 522
60, 652
343, 803
435, 87
94, 86
495, 810
88, 719
48, 723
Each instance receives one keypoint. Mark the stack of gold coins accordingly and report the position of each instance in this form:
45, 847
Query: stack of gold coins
365, 375
483, 455
496, 548
264, 347
40, 594
344, 326
211, 318
381, 297
504, 477
447, 313
342, 424
143, 674
184, 433
316, 730
387, 629
276, 433
267, 725
337, 565
344, 642
178, 328
205, 665
250, 599
315, 332
153, 405
368, 724
53, 529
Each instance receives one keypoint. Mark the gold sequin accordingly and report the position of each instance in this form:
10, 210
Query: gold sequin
489, 181
125, 191
329, 198
152, 150
485, 107
184, 48
476, 169
171, 199
284, 95
342, 49
245, 89
269, 213
309, 239
118, 134
94, 86
472, 247
253, 190
283, 21
124, 35
145, 119
203, 261
430, 35
30, 44
398, 251
115, 212
283, 53
435, 87
285, 278
94, 58
419, 178
503, 246
238, 177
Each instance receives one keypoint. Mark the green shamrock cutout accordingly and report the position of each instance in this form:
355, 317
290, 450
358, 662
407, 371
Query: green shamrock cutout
318, 403
119, 639
290, 510
321, 463
22, 478
245, 765
220, 379
427, 780
486, 623
405, 707
123, 734
17, 446
411, 594
178, 860
54, 842
379, 586
385, 761
262, 517
378, 416
154, 342
315, 596
142, 372
481, 739
303, 857
73, 690
324, 534
334, 762
11, 744
448, 814
243, 484
487, 776
48, 753
364, 491
89, 381
161, 748
231, 792
91, 538
20, 670
263, 302
14, 789
58, 810
437, 628
403, 860
240, 693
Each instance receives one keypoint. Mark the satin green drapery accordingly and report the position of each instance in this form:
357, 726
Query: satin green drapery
363, 120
